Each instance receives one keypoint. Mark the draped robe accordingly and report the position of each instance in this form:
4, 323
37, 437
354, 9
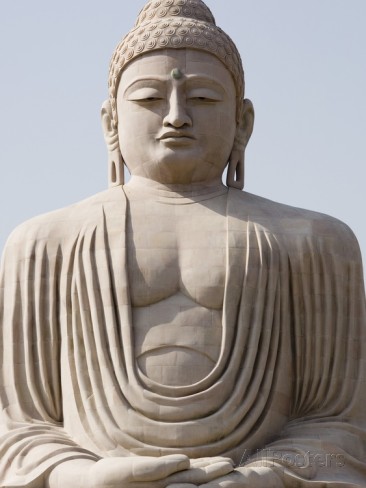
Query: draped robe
287, 391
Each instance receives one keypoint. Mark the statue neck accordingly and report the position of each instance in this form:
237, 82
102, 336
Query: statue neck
139, 187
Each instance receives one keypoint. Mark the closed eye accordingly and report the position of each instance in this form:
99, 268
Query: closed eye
145, 95
206, 95
148, 99
203, 99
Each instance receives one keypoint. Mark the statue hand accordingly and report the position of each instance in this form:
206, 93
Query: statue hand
247, 477
140, 471
201, 471
117, 472
135, 471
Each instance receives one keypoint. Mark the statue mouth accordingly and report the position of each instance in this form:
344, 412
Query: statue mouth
176, 139
176, 136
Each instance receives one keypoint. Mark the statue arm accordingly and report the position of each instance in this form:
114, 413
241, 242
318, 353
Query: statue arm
325, 441
32, 440
35, 449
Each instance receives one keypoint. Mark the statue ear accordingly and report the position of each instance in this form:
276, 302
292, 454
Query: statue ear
115, 161
235, 172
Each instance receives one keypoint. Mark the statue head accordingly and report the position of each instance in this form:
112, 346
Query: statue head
182, 31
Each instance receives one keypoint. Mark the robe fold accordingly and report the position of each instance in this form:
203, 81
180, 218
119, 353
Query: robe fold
288, 390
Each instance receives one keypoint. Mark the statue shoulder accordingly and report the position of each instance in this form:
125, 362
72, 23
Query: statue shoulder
292, 224
59, 224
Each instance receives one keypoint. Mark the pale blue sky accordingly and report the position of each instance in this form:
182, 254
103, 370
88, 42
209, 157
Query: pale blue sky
305, 67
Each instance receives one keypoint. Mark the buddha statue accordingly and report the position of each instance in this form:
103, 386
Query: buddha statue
174, 332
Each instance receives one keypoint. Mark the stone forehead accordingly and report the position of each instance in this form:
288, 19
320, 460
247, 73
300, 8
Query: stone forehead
177, 24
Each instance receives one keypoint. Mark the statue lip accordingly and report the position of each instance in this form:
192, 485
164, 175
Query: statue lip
175, 135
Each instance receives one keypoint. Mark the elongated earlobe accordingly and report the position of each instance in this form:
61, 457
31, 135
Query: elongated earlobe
236, 168
115, 161
235, 171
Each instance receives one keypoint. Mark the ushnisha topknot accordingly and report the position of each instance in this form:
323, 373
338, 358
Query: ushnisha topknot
177, 24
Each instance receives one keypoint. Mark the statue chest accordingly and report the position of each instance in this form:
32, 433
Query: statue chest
176, 267
176, 249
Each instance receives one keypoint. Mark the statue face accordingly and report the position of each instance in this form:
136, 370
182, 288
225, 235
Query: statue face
176, 116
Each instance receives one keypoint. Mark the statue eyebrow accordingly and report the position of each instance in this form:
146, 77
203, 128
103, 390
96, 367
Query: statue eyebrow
200, 80
148, 81
143, 82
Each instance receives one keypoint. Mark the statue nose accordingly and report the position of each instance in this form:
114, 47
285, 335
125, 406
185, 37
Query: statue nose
177, 115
